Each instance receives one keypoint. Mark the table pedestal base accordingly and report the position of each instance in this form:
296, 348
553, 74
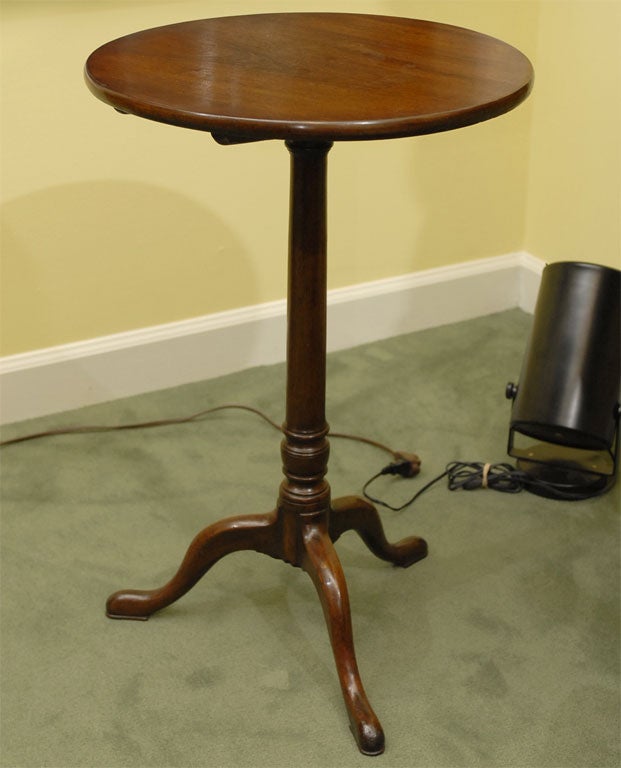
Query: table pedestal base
304, 525
305, 541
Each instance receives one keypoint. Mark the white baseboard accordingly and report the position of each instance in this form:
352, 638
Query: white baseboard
87, 372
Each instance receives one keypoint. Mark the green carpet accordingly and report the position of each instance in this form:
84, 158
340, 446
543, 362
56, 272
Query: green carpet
500, 649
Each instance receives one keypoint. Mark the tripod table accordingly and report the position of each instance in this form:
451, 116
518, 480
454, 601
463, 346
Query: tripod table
308, 79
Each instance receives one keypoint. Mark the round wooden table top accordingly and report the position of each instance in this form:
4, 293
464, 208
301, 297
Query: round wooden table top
311, 76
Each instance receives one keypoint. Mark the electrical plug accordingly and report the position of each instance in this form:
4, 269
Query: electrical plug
406, 465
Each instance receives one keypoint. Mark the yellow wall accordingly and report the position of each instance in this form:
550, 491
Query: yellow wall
112, 223
574, 188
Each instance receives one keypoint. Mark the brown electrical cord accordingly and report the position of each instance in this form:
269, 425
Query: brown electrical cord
183, 420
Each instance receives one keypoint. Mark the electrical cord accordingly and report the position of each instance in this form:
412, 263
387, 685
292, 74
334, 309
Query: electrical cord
385, 504
92, 429
409, 461
462, 475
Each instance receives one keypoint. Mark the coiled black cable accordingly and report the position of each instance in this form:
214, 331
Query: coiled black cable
475, 474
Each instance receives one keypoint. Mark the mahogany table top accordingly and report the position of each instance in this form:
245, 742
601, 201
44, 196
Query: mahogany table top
311, 76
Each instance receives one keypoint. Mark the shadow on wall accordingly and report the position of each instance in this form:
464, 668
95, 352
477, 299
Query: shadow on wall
112, 255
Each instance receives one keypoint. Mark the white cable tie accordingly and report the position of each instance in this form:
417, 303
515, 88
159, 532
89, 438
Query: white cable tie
485, 474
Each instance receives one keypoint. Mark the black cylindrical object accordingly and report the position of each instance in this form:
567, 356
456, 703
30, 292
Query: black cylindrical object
568, 391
